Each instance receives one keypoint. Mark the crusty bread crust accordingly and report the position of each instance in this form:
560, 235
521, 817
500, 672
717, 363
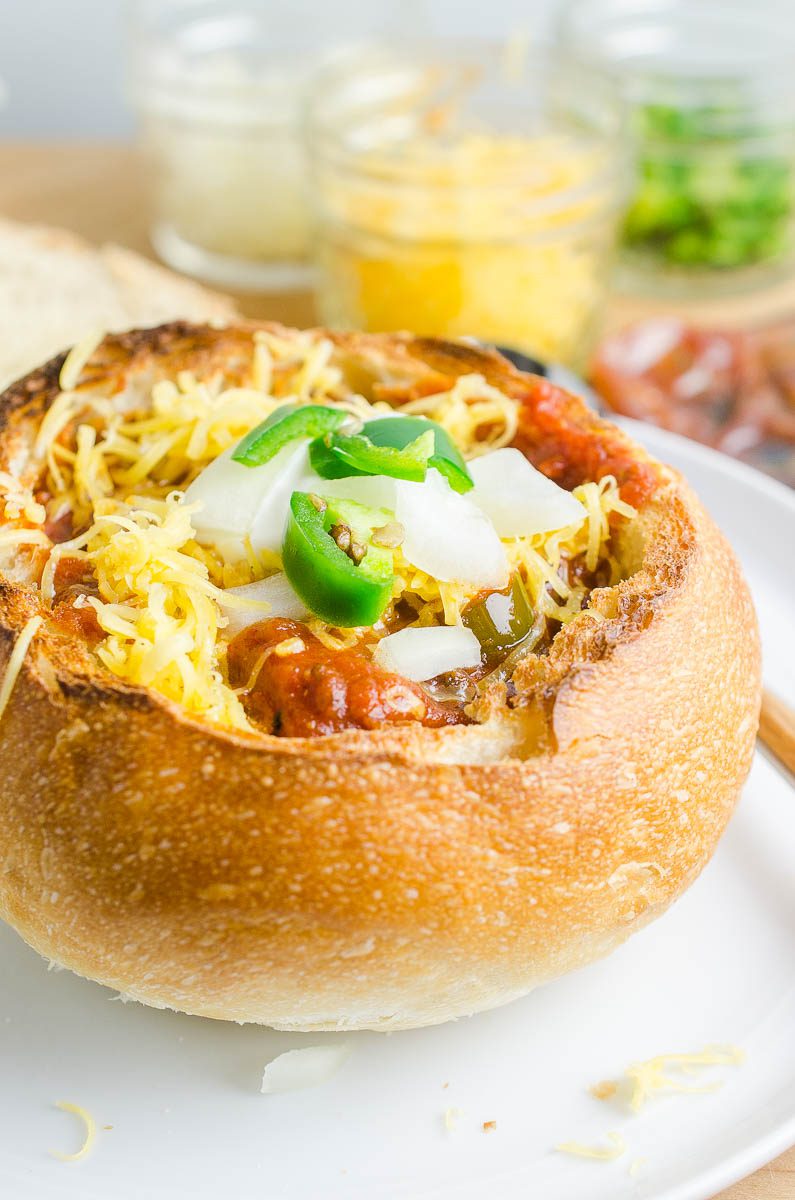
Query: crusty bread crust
379, 879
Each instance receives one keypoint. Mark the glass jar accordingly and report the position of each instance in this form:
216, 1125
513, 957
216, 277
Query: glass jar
710, 89
466, 189
218, 86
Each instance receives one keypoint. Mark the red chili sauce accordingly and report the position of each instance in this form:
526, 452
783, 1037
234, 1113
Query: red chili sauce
316, 690
572, 448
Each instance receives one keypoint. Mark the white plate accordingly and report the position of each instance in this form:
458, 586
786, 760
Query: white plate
182, 1093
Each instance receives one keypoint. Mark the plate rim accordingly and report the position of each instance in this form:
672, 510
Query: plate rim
714, 460
781, 1137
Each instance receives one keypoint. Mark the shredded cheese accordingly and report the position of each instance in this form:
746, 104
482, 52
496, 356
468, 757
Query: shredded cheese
90, 1132
158, 608
652, 1077
471, 405
643, 1080
538, 559
21, 647
484, 243
451, 1117
119, 466
604, 1090
20, 501
24, 537
77, 358
616, 1148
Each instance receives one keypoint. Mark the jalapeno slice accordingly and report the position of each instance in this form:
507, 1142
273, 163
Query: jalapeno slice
331, 561
400, 447
446, 457
500, 620
286, 424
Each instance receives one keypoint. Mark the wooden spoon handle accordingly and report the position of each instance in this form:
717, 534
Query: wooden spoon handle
777, 729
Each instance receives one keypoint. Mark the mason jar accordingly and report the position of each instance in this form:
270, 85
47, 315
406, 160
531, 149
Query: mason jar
218, 87
467, 189
710, 89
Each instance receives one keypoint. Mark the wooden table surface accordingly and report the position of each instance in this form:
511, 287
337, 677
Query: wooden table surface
97, 190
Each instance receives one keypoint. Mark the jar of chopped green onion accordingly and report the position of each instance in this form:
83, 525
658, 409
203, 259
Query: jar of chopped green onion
711, 94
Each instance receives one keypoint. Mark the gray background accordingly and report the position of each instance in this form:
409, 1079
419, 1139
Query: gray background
63, 62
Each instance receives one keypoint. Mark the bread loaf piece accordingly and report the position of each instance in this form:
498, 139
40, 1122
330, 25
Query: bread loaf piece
55, 288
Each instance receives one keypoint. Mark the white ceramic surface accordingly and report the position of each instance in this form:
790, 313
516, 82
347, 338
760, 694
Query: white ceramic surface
182, 1094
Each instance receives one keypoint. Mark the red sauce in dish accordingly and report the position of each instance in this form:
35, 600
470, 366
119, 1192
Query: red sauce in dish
732, 390
77, 622
572, 449
314, 690
72, 572
71, 614
59, 529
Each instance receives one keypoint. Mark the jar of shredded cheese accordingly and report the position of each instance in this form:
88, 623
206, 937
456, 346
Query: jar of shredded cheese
466, 189
218, 86
711, 112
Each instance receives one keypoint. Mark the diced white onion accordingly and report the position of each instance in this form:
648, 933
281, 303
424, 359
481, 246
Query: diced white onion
376, 491
517, 498
229, 494
239, 501
422, 652
291, 469
275, 592
304, 1068
448, 536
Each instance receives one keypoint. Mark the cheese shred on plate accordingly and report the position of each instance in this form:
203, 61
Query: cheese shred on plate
117, 471
652, 1077
90, 1132
642, 1081
614, 1150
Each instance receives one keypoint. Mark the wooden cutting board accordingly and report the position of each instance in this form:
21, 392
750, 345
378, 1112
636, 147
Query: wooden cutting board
96, 189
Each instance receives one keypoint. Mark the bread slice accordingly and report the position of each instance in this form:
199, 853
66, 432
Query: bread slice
55, 288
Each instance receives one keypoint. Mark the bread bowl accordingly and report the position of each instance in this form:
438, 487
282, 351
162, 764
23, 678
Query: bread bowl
394, 873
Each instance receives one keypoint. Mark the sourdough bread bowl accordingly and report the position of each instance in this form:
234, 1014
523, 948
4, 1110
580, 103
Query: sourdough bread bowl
390, 876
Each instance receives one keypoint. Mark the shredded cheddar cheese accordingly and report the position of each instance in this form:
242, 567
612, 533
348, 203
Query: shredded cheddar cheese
157, 606
653, 1076
469, 406
616, 1148
90, 1132
496, 233
644, 1080
23, 537
118, 468
77, 359
21, 647
19, 501
451, 1117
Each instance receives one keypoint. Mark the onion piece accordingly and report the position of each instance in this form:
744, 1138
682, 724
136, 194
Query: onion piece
275, 593
517, 498
448, 536
304, 1068
239, 501
291, 469
229, 494
375, 491
422, 652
